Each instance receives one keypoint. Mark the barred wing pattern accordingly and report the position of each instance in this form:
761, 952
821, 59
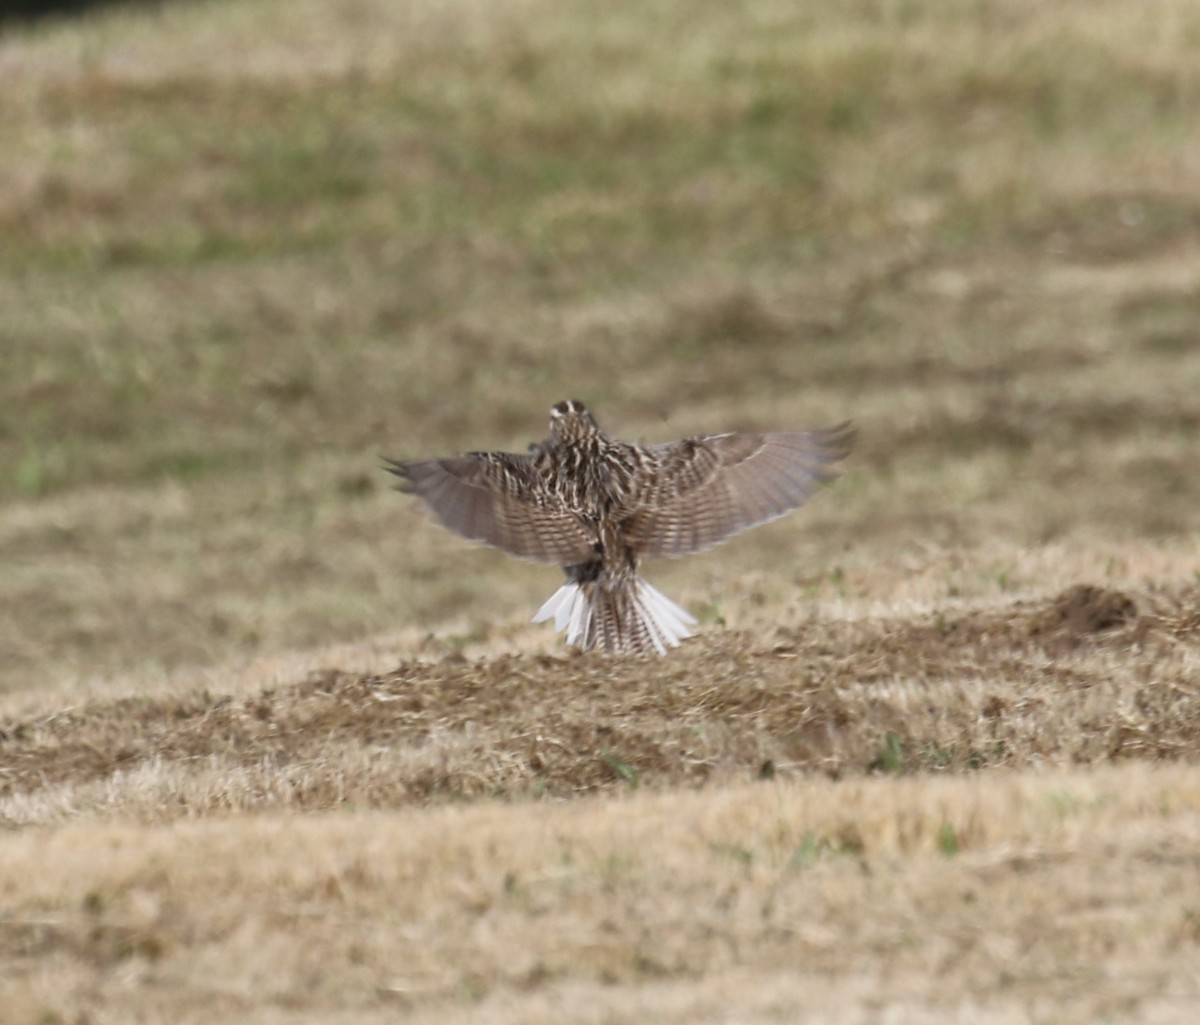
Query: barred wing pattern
492, 497
709, 488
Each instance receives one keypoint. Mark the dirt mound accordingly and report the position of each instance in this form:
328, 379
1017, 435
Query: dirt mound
991, 687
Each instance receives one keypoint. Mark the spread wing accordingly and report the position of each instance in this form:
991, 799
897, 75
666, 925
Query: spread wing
492, 497
710, 488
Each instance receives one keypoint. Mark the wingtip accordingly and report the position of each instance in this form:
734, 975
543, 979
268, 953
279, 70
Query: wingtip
840, 438
399, 468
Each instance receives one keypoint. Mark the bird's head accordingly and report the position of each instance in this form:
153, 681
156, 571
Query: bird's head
570, 421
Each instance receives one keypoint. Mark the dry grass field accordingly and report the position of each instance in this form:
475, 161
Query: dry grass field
273, 749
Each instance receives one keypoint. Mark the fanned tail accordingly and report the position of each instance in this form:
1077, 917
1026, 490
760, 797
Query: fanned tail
630, 617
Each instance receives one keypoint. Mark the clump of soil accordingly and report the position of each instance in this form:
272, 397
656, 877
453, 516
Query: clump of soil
1084, 610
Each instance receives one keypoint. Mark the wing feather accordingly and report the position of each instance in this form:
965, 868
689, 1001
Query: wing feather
712, 487
493, 497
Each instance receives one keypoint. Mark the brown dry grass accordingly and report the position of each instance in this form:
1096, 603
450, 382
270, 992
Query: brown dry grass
422, 841
1070, 898
1085, 678
274, 749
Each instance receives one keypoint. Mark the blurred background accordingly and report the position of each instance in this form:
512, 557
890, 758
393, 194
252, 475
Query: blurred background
41, 10
247, 247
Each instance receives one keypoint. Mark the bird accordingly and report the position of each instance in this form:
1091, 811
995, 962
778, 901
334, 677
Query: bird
597, 506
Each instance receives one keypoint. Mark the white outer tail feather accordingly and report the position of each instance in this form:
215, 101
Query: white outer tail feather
666, 624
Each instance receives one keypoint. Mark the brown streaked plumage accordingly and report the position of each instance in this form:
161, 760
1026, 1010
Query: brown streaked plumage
597, 506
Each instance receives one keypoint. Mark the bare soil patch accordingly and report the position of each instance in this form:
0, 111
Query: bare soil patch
1087, 676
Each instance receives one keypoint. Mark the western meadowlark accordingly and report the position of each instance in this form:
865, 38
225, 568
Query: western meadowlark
597, 506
